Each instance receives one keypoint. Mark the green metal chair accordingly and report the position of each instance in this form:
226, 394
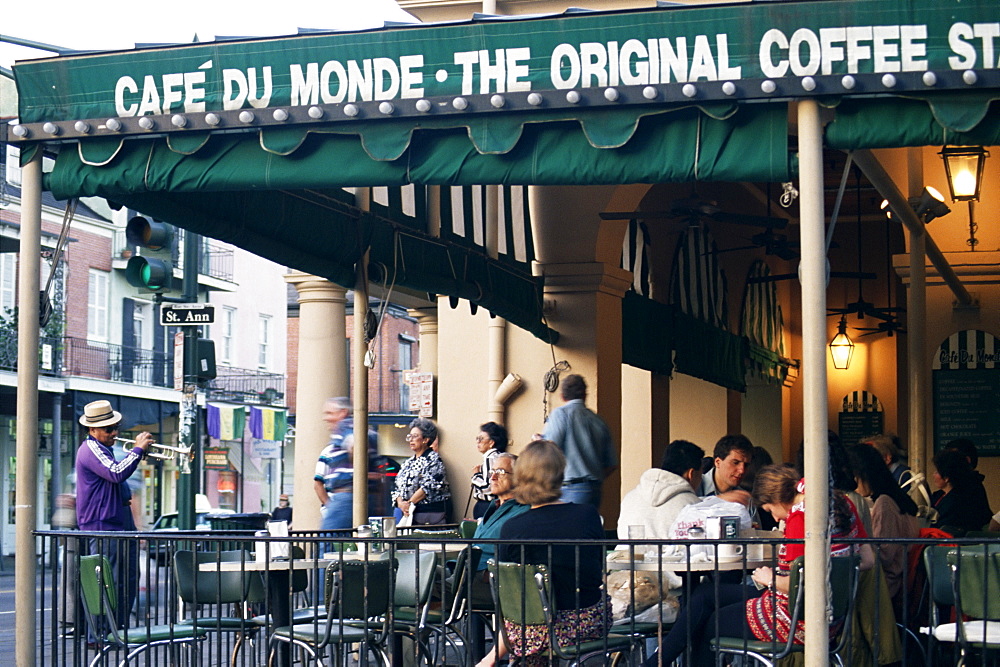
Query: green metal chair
100, 603
976, 587
198, 588
523, 594
355, 591
843, 580
415, 576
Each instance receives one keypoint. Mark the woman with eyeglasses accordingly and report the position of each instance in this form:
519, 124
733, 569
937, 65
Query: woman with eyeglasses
491, 442
581, 610
422, 483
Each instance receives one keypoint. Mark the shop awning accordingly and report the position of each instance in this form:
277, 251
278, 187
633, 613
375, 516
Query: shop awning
250, 141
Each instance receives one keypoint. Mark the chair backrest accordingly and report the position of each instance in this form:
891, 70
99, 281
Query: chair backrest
517, 592
219, 587
843, 584
359, 589
976, 577
414, 577
98, 587
939, 574
468, 528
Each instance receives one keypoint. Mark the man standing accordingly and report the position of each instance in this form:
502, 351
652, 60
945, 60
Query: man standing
283, 512
732, 454
585, 440
103, 497
334, 479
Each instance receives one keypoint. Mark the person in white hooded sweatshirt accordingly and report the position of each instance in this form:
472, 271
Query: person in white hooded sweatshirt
663, 492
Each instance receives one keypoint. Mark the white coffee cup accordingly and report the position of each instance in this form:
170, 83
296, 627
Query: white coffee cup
729, 552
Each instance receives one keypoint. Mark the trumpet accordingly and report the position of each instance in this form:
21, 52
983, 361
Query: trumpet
164, 455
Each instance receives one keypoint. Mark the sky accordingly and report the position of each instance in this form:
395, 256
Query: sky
104, 26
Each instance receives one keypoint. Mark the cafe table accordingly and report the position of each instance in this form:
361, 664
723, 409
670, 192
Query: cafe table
624, 560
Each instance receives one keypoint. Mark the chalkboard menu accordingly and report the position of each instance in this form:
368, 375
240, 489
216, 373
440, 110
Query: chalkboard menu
966, 386
860, 416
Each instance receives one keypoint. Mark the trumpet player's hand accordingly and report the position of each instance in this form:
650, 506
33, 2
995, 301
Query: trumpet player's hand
143, 440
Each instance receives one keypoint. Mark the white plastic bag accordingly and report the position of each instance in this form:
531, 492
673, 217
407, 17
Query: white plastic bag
405, 521
695, 516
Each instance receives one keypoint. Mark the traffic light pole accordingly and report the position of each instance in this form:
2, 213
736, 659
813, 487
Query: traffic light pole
187, 482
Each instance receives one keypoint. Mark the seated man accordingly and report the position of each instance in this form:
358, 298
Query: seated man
662, 492
502, 508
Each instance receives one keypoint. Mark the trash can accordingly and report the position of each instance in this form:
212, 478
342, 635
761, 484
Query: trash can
238, 524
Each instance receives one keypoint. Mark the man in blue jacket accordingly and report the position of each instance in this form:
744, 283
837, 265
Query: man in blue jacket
103, 498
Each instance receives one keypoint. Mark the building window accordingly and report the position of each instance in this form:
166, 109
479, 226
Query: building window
97, 306
264, 342
228, 326
13, 165
405, 354
8, 282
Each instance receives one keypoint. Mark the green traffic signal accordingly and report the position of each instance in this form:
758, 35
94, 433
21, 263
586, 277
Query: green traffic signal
149, 273
152, 270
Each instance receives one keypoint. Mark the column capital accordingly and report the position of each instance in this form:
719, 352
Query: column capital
313, 289
583, 277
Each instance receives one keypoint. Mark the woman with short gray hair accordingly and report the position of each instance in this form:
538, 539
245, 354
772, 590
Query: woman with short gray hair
422, 483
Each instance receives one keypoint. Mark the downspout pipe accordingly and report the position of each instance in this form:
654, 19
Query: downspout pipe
875, 173
498, 326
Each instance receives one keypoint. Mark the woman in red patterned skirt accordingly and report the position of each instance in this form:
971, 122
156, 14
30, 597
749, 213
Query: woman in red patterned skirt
760, 611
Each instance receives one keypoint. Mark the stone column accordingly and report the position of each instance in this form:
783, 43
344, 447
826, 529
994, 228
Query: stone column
427, 321
322, 375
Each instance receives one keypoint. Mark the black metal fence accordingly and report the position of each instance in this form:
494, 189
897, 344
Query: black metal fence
234, 595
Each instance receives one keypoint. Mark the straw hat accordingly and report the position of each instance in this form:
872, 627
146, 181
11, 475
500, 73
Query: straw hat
99, 413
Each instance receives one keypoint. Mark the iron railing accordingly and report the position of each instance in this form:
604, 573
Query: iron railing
50, 354
121, 363
243, 385
879, 632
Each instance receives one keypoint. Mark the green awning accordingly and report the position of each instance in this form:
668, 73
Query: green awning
957, 118
660, 338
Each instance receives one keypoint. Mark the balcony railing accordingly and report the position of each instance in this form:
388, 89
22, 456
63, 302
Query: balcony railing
121, 363
50, 352
244, 385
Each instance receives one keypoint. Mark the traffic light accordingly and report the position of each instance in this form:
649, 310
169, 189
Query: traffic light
153, 270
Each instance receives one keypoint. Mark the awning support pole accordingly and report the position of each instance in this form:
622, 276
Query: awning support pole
360, 398
25, 512
814, 409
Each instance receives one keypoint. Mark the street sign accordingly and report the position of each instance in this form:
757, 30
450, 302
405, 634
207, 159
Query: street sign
186, 314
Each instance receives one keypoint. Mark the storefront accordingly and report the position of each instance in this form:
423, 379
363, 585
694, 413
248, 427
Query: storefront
237, 140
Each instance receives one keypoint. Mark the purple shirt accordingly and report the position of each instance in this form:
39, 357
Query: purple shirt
102, 493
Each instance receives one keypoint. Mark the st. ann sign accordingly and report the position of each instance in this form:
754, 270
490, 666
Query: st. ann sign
186, 314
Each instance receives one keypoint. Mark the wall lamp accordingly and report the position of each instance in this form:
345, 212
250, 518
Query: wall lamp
964, 166
841, 347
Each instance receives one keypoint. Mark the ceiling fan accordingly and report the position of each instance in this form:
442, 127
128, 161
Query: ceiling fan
772, 243
694, 210
860, 307
889, 326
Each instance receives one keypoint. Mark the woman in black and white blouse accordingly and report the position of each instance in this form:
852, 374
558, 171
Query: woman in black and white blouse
491, 441
422, 483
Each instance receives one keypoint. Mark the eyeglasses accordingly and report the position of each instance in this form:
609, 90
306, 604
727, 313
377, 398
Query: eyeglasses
499, 472
411, 436
111, 429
